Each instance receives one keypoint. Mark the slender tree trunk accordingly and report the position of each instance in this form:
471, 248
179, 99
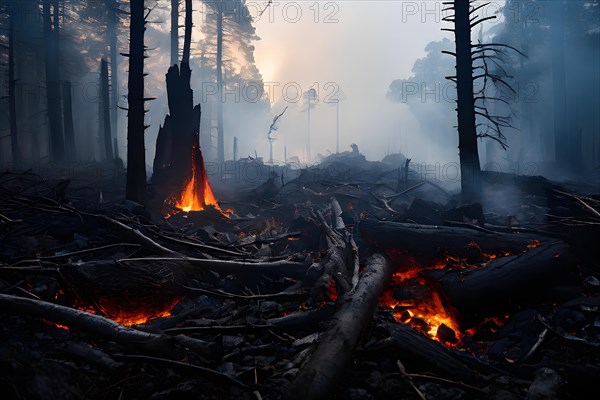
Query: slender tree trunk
136, 152
116, 148
174, 32
557, 35
235, 148
187, 39
57, 146
12, 105
308, 155
337, 127
114, 73
105, 97
68, 119
220, 134
467, 133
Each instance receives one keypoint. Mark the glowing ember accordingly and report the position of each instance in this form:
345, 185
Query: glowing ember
426, 314
126, 311
333, 294
136, 314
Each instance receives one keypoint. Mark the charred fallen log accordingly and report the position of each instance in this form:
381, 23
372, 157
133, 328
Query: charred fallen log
507, 282
322, 372
421, 353
427, 242
100, 327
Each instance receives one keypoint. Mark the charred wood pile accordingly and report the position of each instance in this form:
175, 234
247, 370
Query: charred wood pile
331, 285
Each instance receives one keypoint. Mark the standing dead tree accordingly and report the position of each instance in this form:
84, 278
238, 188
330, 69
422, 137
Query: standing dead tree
105, 110
136, 151
471, 105
173, 161
14, 133
51, 58
174, 32
272, 129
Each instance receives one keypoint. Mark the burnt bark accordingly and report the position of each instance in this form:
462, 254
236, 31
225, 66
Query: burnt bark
174, 32
101, 327
428, 242
467, 133
114, 73
173, 159
322, 372
12, 101
187, 38
105, 107
180, 133
559, 87
136, 152
71, 153
51, 56
506, 283
220, 132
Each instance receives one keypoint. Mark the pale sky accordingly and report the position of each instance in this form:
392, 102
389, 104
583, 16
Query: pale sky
359, 45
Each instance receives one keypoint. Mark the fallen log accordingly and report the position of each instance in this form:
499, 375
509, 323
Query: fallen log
152, 343
341, 261
323, 370
429, 241
420, 353
505, 283
292, 268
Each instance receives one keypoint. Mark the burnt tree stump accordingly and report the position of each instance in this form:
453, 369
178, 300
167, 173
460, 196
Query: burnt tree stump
178, 135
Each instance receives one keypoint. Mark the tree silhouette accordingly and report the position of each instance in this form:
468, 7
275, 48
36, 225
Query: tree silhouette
136, 151
470, 104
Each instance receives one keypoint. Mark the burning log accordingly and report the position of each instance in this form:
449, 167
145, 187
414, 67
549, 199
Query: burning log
321, 373
505, 283
127, 294
427, 242
151, 343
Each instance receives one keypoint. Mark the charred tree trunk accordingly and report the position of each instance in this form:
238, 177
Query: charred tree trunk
467, 132
57, 146
220, 133
187, 39
105, 107
114, 73
235, 148
12, 105
180, 132
136, 152
174, 32
557, 35
68, 118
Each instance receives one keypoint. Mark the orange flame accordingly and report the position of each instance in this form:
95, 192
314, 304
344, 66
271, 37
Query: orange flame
197, 192
129, 312
126, 311
428, 313
429, 310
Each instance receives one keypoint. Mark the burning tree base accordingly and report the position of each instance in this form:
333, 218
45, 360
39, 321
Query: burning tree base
197, 193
